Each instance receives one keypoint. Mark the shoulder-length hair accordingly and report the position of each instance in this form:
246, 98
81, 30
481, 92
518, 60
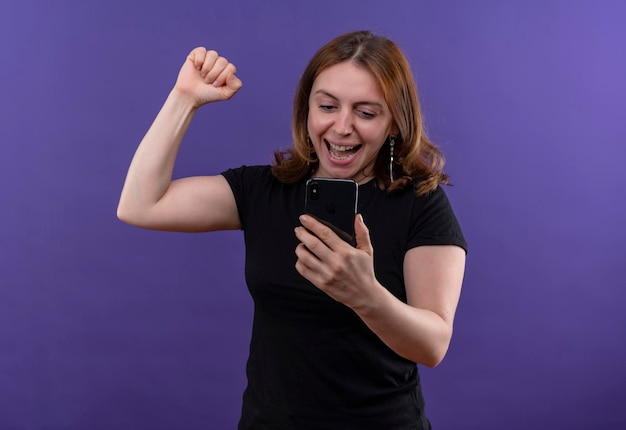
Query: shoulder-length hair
417, 161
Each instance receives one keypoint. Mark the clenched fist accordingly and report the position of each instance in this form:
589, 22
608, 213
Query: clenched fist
207, 77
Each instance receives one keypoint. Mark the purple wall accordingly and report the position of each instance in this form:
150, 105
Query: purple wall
106, 326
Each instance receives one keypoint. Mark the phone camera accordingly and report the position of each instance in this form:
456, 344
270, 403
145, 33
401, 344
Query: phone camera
315, 191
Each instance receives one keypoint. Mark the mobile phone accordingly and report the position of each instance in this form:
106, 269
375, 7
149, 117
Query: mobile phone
334, 203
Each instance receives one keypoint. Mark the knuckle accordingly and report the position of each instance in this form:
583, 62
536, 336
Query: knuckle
324, 233
337, 266
345, 254
313, 246
327, 280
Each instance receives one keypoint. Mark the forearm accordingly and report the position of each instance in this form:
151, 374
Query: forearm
150, 172
418, 335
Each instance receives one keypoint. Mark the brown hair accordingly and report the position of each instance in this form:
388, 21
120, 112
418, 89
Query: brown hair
417, 160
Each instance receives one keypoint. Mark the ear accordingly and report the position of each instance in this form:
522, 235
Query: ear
394, 131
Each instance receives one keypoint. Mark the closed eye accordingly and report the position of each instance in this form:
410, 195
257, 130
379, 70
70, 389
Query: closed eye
366, 114
327, 108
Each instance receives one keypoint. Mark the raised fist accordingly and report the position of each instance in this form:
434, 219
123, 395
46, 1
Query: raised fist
207, 77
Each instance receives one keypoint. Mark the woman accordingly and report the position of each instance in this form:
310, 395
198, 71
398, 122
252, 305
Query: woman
337, 329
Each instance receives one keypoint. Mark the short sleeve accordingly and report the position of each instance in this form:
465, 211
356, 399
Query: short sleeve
434, 222
242, 181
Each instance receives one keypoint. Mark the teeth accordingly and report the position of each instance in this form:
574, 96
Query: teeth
340, 148
337, 151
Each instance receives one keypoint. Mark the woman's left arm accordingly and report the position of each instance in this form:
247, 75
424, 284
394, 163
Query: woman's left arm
419, 330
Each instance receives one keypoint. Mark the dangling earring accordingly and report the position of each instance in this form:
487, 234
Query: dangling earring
392, 142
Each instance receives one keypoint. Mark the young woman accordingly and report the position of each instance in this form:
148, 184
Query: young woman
338, 329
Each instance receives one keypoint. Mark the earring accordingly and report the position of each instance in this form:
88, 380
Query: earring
392, 142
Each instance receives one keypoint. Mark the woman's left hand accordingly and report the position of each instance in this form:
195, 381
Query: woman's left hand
344, 272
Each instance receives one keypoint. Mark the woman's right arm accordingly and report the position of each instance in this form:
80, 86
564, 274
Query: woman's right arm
150, 199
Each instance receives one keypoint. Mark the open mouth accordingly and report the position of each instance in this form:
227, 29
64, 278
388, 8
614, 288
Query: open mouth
342, 152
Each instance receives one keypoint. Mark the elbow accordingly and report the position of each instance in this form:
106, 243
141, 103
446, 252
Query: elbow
137, 217
437, 352
435, 358
429, 357
126, 215
122, 214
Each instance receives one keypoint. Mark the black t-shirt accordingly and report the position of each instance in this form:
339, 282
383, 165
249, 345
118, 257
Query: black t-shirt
313, 363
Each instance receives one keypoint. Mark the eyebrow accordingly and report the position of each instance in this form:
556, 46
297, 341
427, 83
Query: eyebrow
365, 102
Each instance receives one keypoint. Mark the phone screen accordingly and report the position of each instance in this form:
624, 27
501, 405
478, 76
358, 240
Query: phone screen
333, 202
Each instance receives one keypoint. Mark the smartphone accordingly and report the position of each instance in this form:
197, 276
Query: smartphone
334, 203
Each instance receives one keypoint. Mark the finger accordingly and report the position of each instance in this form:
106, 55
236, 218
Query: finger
304, 270
196, 56
317, 238
362, 235
218, 67
305, 256
221, 78
209, 62
233, 83
322, 232
308, 265
312, 244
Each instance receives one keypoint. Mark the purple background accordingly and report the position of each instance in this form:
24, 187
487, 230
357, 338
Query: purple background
103, 325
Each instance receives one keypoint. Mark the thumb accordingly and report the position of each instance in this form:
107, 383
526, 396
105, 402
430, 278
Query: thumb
233, 84
362, 235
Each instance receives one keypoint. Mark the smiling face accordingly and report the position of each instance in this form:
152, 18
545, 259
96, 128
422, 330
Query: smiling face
348, 122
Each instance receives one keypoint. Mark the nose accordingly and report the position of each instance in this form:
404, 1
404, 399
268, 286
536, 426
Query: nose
343, 123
